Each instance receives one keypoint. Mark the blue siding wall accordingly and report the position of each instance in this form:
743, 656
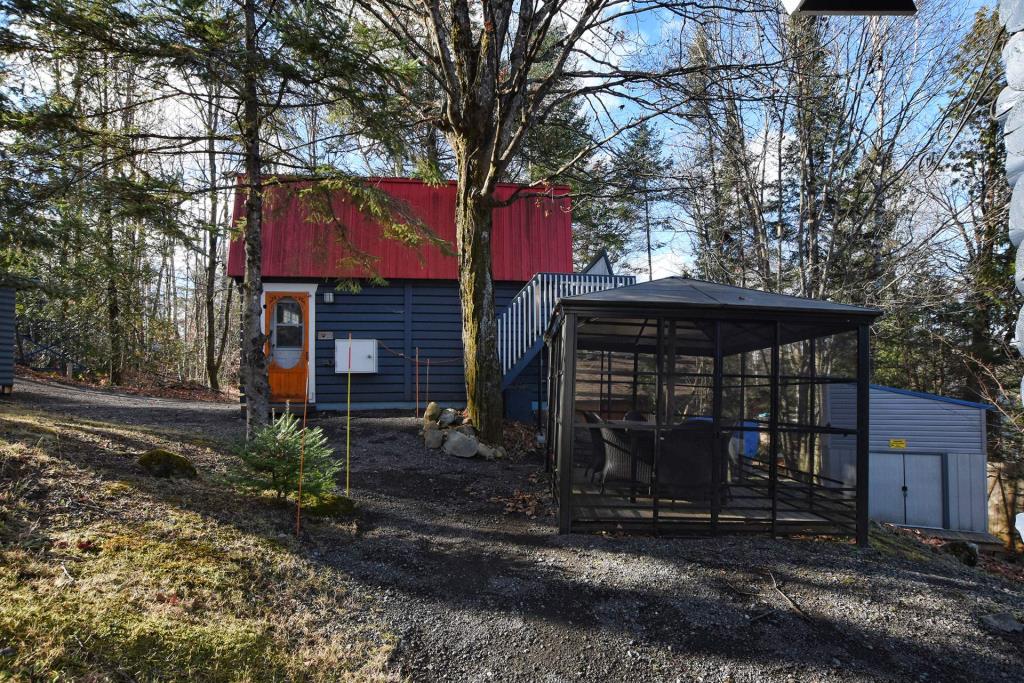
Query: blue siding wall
402, 316
6, 336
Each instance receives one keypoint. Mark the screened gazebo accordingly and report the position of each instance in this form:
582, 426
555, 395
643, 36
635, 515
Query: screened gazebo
682, 406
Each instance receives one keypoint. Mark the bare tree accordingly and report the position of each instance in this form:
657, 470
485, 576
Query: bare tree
497, 78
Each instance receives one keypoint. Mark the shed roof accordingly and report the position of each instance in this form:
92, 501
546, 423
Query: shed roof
934, 397
673, 293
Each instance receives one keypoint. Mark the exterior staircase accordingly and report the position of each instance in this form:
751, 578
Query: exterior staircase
521, 325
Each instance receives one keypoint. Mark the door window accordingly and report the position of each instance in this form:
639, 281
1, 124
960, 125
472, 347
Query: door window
288, 333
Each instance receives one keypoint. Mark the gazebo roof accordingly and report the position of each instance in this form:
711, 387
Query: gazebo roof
620, 319
675, 293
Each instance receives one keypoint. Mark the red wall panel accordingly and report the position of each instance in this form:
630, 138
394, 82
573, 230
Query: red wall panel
531, 235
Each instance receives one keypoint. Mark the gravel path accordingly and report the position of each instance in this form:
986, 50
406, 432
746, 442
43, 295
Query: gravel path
202, 417
475, 594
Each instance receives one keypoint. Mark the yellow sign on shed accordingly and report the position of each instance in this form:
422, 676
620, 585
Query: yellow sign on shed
897, 443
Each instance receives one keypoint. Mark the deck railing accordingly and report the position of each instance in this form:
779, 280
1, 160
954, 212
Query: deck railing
522, 323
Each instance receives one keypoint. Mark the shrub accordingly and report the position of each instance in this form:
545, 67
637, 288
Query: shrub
271, 459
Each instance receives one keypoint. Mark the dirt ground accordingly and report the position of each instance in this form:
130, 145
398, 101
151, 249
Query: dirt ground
475, 593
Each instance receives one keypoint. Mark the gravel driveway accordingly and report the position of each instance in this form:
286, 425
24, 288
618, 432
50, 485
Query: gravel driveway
202, 417
475, 594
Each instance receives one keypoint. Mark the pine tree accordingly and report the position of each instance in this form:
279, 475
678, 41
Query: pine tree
638, 178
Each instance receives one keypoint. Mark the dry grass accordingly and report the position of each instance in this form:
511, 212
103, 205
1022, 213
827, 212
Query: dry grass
109, 574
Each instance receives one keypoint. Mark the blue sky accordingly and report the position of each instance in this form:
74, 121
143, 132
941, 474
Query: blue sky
671, 258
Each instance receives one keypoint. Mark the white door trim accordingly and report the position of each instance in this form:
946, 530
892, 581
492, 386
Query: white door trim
306, 288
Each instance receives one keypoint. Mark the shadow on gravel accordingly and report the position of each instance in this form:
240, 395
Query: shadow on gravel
215, 419
495, 574
455, 575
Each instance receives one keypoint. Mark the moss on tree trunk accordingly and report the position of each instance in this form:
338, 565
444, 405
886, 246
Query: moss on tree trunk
479, 323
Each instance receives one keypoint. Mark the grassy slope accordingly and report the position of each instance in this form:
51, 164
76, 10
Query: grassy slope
107, 573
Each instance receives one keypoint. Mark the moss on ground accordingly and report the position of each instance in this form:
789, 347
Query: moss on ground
110, 580
331, 505
899, 546
162, 463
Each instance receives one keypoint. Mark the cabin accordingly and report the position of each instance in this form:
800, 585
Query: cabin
928, 457
406, 334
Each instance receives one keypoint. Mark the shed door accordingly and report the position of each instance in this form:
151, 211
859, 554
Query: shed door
885, 488
906, 488
923, 479
288, 345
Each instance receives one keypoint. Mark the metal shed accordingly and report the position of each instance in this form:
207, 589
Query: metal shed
6, 339
928, 457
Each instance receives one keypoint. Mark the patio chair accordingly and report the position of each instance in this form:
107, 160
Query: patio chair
617, 453
685, 464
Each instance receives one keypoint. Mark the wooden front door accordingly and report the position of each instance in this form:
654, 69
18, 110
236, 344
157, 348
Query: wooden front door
288, 345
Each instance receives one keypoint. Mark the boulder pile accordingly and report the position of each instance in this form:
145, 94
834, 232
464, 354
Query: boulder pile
448, 430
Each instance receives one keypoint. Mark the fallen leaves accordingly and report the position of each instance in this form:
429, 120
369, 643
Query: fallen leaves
520, 439
530, 504
87, 545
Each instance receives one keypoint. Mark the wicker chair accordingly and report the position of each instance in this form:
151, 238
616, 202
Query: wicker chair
686, 462
618, 455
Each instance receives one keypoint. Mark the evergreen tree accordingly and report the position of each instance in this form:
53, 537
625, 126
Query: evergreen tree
638, 178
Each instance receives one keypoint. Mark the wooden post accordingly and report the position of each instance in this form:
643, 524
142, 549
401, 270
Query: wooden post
348, 417
302, 456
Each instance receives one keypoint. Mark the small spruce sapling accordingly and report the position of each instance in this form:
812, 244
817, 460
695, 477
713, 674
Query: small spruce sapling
271, 459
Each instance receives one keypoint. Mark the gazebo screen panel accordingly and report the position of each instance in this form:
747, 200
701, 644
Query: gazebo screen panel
617, 393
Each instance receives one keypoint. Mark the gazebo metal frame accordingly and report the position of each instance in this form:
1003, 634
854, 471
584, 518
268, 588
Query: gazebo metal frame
705, 322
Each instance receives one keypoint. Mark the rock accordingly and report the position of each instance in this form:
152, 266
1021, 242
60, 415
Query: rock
500, 453
1004, 622
485, 451
161, 463
433, 437
447, 417
964, 551
432, 412
460, 445
466, 429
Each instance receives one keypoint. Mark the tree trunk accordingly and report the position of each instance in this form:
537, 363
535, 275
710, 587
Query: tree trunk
253, 361
212, 366
114, 312
115, 361
479, 321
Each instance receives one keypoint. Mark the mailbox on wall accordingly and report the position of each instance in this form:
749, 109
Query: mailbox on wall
364, 356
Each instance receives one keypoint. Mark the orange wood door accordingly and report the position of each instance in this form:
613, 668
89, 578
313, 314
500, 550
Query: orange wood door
287, 329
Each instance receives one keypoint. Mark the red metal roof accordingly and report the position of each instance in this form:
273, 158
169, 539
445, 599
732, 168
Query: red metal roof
531, 235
